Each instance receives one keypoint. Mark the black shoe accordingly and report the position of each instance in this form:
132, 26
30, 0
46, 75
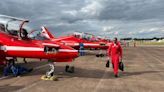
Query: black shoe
116, 76
107, 64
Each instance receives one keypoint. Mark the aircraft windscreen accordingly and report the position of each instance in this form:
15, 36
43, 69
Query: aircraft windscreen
85, 36
13, 27
2, 28
36, 35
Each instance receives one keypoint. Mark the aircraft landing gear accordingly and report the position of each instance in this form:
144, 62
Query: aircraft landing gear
50, 73
24, 59
100, 55
12, 61
69, 69
66, 68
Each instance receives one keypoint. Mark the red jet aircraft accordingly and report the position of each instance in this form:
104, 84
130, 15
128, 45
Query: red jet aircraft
89, 40
18, 43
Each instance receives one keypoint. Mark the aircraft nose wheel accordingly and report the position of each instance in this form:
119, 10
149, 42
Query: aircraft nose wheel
69, 69
72, 69
100, 55
66, 68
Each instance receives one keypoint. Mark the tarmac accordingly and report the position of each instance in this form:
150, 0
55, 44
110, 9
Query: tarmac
144, 72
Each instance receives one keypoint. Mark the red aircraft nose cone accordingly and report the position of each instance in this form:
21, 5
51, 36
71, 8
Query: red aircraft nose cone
76, 54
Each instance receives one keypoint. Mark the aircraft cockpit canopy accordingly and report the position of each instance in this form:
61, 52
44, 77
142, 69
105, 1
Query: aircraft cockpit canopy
85, 36
2, 28
37, 35
11, 25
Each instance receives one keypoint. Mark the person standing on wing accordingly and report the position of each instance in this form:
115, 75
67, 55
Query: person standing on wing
115, 53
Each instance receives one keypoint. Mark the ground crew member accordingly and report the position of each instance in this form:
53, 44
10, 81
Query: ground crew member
81, 49
7, 69
15, 69
115, 53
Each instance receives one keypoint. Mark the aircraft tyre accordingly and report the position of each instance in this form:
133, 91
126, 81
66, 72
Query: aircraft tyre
72, 69
66, 68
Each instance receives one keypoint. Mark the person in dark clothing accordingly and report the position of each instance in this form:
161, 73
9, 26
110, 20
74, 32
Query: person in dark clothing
16, 70
24, 34
7, 69
82, 53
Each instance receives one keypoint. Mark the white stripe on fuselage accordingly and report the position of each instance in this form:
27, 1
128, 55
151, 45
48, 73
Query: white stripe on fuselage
90, 44
71, 44
85, 44
67, 50
49, 44
19, 48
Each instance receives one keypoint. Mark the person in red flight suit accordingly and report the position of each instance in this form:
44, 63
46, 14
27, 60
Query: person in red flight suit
115, 53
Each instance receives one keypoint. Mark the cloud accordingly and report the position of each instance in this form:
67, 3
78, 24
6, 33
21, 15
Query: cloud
71, 12
122, 18
107, 28
93, 8
131, 33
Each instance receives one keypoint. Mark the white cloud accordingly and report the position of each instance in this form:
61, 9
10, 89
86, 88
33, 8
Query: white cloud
93, 8
71, 12
107, 28
124, 18
148, 30
153, 29
162, 30
131, 33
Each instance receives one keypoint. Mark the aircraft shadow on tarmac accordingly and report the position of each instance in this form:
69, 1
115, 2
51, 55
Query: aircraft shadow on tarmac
82, 72
89, 73
79, 72
8, 88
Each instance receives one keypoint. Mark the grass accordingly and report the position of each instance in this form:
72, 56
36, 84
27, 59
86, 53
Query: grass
154, 43
147, 43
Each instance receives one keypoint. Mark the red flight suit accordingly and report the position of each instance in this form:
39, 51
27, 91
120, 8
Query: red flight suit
115, 52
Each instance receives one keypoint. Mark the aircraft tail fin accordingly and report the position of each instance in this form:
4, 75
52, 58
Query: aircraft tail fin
46, 33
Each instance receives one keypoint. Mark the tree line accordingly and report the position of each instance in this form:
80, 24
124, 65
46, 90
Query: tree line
140, 39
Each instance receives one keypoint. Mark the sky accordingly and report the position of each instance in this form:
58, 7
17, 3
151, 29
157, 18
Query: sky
109, 18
